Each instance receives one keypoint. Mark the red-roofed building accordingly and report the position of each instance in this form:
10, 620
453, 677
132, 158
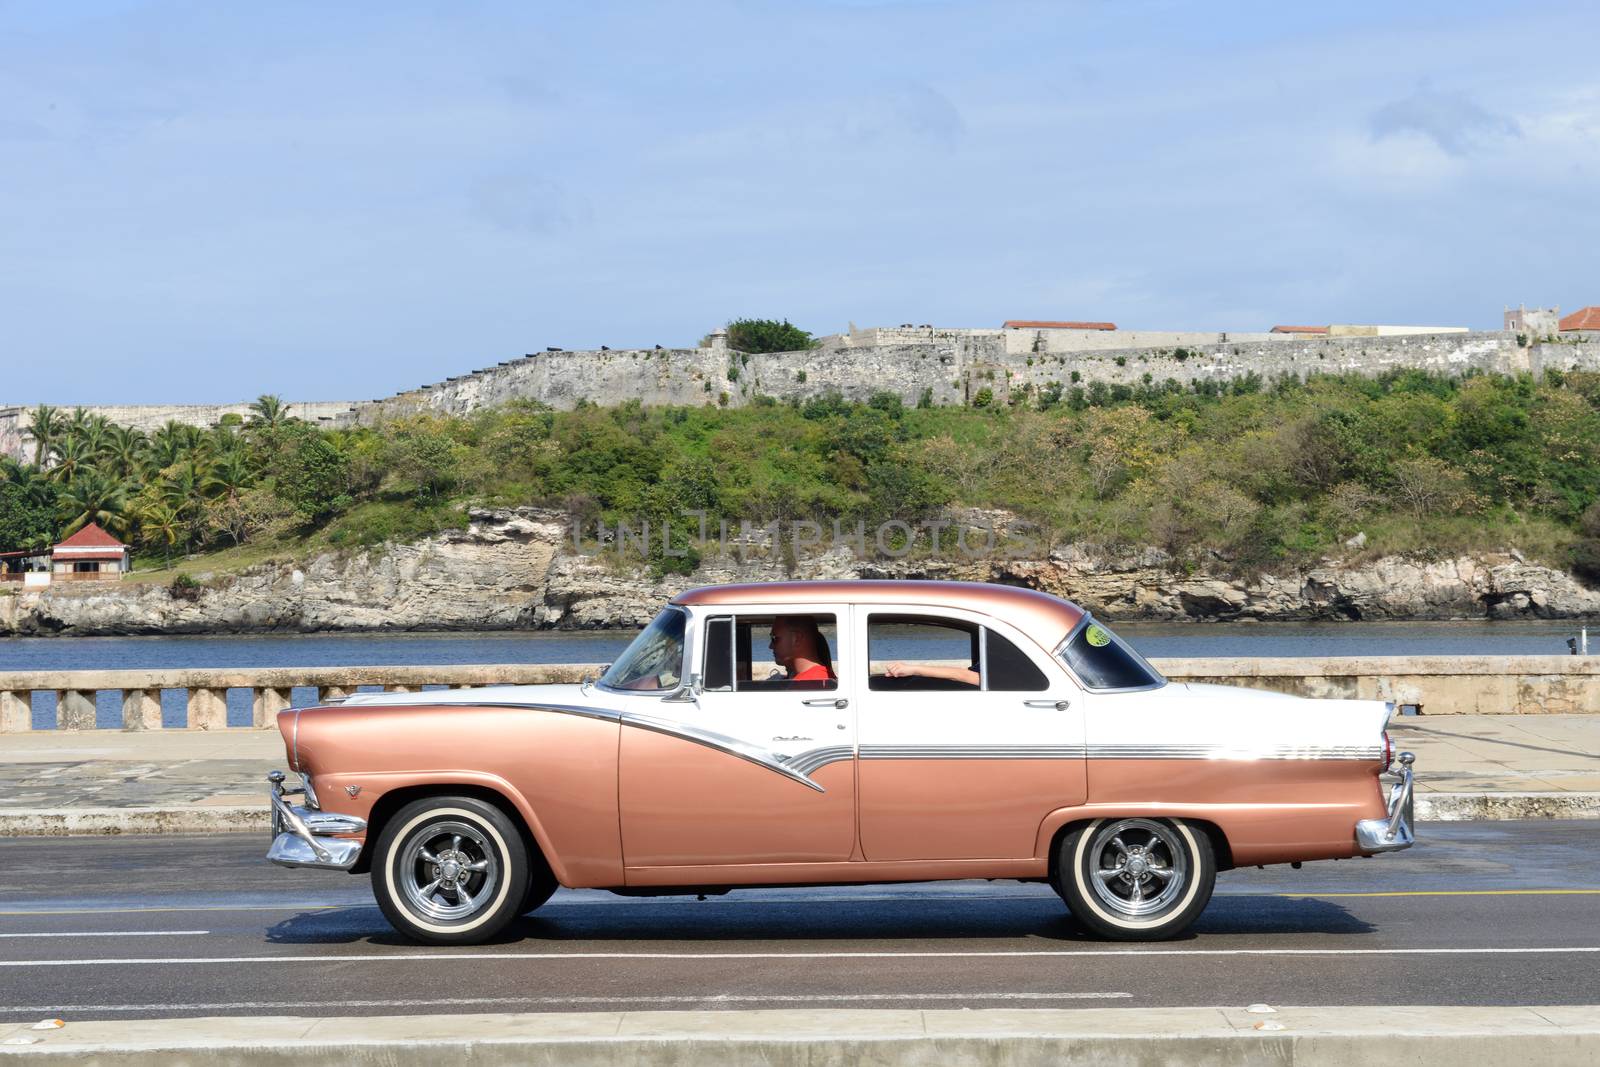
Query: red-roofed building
90, 551
1583, 319
1040, 324
1300, 329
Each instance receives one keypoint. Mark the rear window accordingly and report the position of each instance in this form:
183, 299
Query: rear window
1101, 660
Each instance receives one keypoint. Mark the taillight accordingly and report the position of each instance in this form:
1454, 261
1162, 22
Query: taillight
1388, 751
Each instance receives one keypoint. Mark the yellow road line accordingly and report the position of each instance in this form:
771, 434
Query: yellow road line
1458, 893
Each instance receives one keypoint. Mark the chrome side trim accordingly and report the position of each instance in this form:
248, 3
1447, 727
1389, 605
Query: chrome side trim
1238, 752
814, 759
733, 746
972, 752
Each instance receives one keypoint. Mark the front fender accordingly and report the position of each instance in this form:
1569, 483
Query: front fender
372, 789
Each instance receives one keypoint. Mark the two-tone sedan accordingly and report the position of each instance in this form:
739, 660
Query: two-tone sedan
837, 732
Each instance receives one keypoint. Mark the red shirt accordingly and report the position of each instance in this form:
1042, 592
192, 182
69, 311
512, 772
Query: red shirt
815, 673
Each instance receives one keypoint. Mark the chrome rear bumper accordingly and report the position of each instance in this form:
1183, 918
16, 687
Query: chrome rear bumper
300, 835
1393, 833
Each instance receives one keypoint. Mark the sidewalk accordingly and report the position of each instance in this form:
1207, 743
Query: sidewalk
1387, 1036
110, 781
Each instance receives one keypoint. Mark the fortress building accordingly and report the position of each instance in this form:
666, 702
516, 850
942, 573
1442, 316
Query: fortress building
1021, 361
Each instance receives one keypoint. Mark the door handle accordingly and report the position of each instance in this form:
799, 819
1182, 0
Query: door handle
827, 702
1059, 705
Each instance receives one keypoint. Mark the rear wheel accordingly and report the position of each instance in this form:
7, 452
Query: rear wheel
450, 870
1136, 879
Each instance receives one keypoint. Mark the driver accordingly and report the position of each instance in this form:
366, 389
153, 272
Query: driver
799, 647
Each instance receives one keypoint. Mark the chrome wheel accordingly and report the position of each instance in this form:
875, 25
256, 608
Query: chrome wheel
448, 870
1138, 867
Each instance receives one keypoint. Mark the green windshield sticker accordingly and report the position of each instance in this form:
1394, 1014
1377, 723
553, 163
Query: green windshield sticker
1097, 636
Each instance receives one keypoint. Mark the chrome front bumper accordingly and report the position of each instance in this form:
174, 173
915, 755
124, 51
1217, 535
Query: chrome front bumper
1393, 833
300, 834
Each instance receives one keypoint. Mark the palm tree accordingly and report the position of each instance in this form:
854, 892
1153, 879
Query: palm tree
45, 426
94, 497
269, 412
72, 457
161, 523
126, 448
96, 434
180, 491
78, 422
228, 475
167, 444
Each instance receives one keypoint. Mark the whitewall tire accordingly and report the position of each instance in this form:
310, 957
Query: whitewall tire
450, 870
1136, 879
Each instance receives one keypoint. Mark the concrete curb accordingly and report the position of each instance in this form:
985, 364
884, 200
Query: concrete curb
199, 819
1459, 807
190, 819
1209, 1037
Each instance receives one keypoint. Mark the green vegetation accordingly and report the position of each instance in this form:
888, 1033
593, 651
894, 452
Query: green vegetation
1242, 475
768, 335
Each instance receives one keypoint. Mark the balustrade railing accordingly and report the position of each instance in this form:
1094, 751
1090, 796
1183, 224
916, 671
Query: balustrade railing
200, 699
250, 698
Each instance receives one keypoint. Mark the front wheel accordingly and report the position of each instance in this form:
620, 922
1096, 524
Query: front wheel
450, 870
1136, 879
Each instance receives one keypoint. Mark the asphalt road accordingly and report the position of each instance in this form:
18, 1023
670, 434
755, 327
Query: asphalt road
140, 927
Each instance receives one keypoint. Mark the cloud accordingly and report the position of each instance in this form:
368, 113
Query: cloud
1453, 121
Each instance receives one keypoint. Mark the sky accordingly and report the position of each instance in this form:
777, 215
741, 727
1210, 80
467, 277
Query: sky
205, 202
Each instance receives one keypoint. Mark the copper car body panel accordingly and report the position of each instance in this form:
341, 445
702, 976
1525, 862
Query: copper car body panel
558, 770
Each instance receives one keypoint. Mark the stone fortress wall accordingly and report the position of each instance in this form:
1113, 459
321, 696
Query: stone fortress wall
952, 366
955, 365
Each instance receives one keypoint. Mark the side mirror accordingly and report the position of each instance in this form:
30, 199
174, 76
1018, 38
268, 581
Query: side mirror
687, 692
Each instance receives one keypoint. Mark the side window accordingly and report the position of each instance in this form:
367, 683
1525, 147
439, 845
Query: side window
1009, 670
763, 653
916, 653
718, 673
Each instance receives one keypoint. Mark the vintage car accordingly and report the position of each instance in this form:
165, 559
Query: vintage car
813, 733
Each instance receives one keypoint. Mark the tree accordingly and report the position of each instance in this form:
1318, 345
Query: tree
228, 475
313, 478
1424, 484
72, 457
45, 425
25, 521
94, 497
768, 335
125, 448
160, 523
268, 412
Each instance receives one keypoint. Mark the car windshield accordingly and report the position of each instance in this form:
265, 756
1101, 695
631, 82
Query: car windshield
1102, 660
655, 659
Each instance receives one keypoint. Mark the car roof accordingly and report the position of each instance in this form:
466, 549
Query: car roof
1045, 618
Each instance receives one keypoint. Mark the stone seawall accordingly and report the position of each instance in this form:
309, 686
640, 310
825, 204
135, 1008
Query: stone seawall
512, 570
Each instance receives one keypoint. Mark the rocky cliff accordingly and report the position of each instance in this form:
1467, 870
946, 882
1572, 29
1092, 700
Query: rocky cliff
518, 570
